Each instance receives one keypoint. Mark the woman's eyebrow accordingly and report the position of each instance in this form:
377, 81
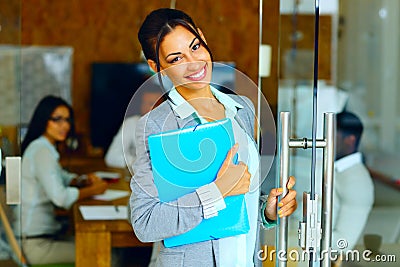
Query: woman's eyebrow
192, 42
177, 53
172, 54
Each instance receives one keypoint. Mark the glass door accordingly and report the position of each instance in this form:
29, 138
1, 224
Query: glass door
10, 110
358, 67
296, 81
367, 69
368, 55
296, 96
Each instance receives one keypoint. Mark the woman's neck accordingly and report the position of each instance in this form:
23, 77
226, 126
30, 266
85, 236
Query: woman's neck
51, 140
191, 94
204, 102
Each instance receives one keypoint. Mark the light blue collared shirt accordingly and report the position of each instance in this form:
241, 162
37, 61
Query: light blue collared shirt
184, 109
236, 250
44, 185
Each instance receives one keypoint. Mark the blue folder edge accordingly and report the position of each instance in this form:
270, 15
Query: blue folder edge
232, 220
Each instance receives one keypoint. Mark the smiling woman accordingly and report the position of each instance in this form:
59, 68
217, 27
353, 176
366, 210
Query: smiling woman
59, 125
175, 47
52, 117
46, 185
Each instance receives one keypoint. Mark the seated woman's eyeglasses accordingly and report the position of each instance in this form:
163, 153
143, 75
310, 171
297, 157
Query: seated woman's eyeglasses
60, 119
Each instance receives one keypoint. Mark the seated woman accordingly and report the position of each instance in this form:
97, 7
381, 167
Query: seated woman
45, 185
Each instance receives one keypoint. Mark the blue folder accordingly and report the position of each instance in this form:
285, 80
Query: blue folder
186, 159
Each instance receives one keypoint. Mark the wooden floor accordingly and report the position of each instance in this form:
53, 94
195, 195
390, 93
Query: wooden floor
8, 263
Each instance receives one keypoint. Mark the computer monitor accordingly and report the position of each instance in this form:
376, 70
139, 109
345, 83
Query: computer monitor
112, 87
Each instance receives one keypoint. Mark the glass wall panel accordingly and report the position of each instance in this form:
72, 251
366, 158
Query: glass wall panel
10, 110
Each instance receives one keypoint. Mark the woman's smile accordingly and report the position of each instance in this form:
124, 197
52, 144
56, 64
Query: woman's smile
198, 76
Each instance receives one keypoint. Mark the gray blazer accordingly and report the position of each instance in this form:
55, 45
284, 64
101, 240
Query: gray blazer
153, 220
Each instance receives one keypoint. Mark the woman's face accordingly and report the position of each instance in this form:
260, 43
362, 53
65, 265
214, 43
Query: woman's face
185, 60
58, 125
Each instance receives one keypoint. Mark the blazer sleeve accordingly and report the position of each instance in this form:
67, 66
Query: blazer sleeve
153, 220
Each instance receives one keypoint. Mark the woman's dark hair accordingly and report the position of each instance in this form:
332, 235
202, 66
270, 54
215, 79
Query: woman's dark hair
41, 116
157, 25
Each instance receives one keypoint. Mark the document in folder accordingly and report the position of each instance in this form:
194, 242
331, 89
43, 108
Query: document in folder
186, 159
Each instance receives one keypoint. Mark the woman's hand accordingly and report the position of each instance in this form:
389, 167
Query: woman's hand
233, 179
97, 185
92, 178
85, 180
287, 205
